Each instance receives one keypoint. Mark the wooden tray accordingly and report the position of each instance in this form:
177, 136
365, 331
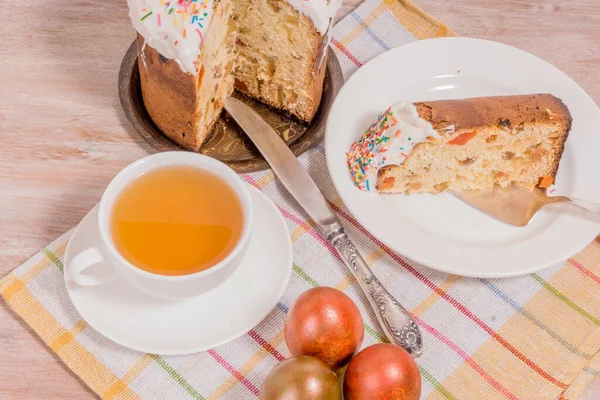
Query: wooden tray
228, 143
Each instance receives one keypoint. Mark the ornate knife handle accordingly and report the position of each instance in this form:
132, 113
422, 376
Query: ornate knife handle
396, 322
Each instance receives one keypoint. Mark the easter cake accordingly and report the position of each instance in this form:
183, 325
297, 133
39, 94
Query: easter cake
464, 144
191, 53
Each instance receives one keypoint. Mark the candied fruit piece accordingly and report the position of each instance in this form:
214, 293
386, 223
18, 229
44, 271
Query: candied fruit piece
463, 138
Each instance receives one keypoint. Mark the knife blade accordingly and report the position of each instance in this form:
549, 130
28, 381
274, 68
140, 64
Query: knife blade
285, 165
396, 322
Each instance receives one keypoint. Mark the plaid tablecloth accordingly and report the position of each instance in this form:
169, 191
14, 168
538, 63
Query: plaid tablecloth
533, 337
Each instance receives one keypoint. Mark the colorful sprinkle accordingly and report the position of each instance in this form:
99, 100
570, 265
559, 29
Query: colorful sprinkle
196, 10
378, 146
362, 157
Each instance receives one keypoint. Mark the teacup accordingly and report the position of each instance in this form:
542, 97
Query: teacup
110, 262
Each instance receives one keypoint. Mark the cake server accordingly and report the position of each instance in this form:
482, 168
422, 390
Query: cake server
515, 205
396, 322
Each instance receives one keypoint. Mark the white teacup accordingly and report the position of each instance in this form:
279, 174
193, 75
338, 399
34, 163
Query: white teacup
112, 265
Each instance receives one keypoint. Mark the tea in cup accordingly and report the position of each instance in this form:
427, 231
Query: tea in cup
173, 224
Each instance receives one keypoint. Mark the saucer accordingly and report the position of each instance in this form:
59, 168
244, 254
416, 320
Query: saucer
173, 327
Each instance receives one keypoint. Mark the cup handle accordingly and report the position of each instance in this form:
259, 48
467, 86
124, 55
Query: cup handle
86, 259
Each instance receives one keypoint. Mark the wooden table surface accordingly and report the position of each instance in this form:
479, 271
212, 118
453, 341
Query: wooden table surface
63, 135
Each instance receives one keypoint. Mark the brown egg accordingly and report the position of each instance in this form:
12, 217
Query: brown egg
383, 371
301, 378
324, 323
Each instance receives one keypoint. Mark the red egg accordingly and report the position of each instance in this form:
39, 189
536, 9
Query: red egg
326, 324
383, 371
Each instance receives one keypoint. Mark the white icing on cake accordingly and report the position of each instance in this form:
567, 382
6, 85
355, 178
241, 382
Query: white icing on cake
176, 28
327, 41
388, 141
321, 12
144, 54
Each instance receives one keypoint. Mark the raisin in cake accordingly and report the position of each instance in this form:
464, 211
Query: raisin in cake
190, 53
458, 145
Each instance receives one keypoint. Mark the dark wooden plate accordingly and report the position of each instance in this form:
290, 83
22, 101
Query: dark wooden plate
228, 143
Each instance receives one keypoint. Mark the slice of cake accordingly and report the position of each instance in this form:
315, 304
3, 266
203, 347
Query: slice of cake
187, 53
468, 144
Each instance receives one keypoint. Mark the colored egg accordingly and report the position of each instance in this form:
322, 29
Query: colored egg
301, 378
324, 323
382, 371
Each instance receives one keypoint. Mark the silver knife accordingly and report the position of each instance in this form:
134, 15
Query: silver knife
396, 322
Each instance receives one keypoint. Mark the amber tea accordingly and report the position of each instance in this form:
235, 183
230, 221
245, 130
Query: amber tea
176, 220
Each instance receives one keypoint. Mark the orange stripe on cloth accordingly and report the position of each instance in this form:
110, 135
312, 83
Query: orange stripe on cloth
359, 28
418, 22
11, 284
118, 389
80, 360
245, 369
265, 180
338, 202
68, 336
434, 297
301, 230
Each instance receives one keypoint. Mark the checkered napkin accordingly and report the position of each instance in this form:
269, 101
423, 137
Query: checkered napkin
533, 337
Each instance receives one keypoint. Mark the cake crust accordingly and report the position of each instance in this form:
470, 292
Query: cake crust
507, 111
169, 96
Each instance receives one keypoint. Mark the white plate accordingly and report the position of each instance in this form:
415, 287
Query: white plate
438, 230
171, 327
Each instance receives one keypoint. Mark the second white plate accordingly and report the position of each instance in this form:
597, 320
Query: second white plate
438, 230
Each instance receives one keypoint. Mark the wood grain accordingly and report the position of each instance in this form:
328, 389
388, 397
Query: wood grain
63, 135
